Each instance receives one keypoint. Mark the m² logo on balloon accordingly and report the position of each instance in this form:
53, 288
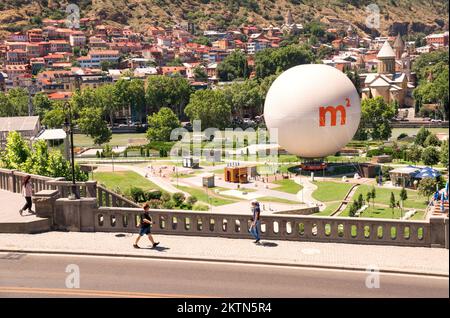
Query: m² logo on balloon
333, 111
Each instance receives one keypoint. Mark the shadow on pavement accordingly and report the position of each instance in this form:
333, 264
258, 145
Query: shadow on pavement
269, 244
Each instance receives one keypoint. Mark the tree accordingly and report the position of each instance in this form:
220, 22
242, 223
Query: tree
84, 99
57, 166
92, 124
14, 103
271, 61
373, 195
108, 100
432, 73
136, 98
165, 91
6, 107
392, 203
414, 154
352, 210
200, 74
16, 151
211, 107
360, 200
108, 65
444, 153
161, 124
203, 40
245, 98
175, 62
403, 197
430, 156
37, 162
431, 140
368, 196
54, 118
375, 117
234, 66
427, 186
42, 104
421, 136
315, 28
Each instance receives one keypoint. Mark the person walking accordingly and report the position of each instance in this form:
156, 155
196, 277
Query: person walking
146, 222
254, 228
27, 192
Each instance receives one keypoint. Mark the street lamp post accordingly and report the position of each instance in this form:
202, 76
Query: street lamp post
69, 129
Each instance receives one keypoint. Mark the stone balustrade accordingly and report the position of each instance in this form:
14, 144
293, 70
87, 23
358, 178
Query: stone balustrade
102, 210
276, 227
11, 180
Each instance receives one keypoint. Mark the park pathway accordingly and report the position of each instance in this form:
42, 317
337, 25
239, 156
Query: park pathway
159, 181
305, 195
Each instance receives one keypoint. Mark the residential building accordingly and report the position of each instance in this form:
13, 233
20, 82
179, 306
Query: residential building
77, 38
438, 39
256, 45
60, 46
27, 126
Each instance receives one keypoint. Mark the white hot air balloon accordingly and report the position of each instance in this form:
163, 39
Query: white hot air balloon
315, 108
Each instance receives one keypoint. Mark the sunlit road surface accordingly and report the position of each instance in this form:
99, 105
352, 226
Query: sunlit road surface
44, 275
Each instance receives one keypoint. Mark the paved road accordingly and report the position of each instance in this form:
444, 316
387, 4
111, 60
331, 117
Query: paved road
41, 275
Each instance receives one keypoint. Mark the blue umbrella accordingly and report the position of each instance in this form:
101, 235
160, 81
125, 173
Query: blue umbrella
427, 172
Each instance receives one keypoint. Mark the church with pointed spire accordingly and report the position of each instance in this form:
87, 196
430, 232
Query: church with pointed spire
393, 80
289, 26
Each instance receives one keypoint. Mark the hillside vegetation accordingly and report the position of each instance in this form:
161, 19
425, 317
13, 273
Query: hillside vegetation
395, 15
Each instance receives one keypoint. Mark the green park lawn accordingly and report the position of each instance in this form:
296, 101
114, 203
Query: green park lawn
81, 140
384, 212
287, 185
383, 196
202, 196
123, 180
330, 191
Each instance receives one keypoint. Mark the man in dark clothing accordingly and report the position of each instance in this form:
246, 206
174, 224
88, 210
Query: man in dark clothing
254, 228
146, 222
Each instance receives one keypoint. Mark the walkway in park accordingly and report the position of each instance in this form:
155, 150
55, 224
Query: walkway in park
10, 217
306, 193
335, 255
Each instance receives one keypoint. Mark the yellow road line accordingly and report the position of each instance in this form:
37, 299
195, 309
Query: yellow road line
94, 293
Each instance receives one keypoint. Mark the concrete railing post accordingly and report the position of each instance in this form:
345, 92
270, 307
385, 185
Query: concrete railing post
438, 231
75, 215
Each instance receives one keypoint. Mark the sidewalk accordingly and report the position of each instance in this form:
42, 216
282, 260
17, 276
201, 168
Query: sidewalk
434, 261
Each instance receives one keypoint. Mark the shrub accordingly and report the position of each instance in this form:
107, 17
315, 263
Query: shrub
374, 152
137, 194
191, 200
155, 204
431, 140
168, 205
153, 195
178, 198
165, 197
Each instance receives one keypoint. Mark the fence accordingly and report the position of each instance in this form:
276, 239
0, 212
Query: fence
278, 227
11, 180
